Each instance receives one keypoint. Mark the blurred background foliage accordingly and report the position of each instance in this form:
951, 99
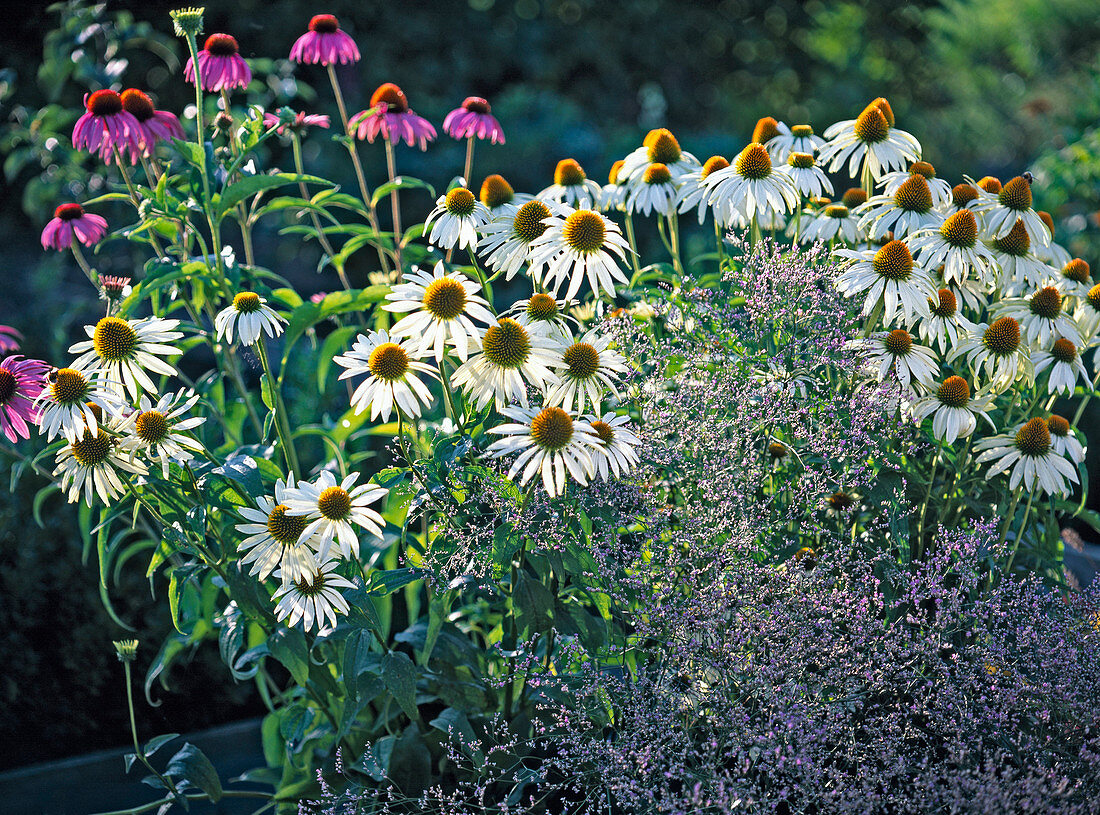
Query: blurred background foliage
988, 86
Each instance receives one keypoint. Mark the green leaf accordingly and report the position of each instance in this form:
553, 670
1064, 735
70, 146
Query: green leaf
267, 391
309, 314
400, 183
157, 742
399, 675
288, 645
192, 764
534, 604
247, 187
389, 581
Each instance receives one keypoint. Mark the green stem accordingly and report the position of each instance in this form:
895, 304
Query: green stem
322, 238
282, 424
469, 167
136, 199
927, 498
1008, 518
93, 278
721, 245
1084, 402
867, 181
874, 317
395, 206
674, 238
167, 782
448, 397
1020, 532
755, 235
628, 226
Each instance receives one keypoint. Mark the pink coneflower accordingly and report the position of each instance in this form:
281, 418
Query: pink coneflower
106, 125
21, 381
324, 43
69, 220
155, 125
220, 65
474, 118
389, 114
9, 339
298, 124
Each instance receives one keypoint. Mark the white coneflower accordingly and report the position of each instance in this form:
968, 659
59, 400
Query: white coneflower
550, 442
250, 316
653, 191
996, 349
939, 189
591, 369
963, 196
956, 247
506, 241
1063, 439
617, 443
887, 274
809, 179
68, 402
458, 215
92, 463
1065, 364
750, 186
1076, 281
614, 193
158, 429
870, 138
1041, 316
497, 194
1010, 204
972, 295
693, 191
943, 327
391, 369
273, 538
1053, 254
541, 311
909, 209
1028, 452
896, 352
796, 139
312, 598
1020, 269
582, 245
830, 222
442, 304
510, 357
125, 348
658, 147
1087, 315
571, 186
953, 410
334, 510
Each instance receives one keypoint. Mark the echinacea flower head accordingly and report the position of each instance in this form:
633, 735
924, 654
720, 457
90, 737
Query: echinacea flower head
21, 383
334, 510
895, 352
964, 196
1066, 367
324, 44
507, 240
497, 194
750, 187
92, 464
1030, 456
1011, 204
389, 114
796, 139
187, 22
946, 323
221, 66
155, 125
9, 339
159, 430
312, 598
69, 221
510, 358
1063, 439
903, 213
953, 410
443, 306
889, 274
997, 349
250, 316
939, 189
273, 539
474, 119
831, 222
106, 126
658, 147
614, 193
617, 441
1041, 316
853, 197
870, 138
458, 215
654, 191
592, 369
550, 443
955, 247
572, 186
1076, 278
693, 191
70, 401
392, 371
296, 123
113, 288
809, 179
581, 245
124, 349
1020, 268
